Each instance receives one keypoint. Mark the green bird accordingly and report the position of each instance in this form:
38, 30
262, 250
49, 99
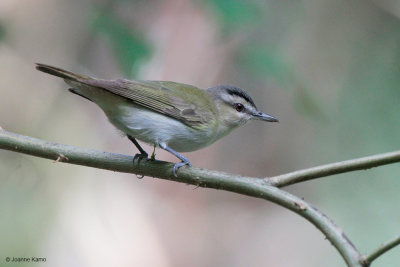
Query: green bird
173, 116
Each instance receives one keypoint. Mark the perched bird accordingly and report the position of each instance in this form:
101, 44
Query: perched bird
174, 116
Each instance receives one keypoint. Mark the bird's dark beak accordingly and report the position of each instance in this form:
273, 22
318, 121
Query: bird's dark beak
264, 117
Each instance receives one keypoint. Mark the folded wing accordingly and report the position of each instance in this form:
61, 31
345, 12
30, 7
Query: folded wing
185, 103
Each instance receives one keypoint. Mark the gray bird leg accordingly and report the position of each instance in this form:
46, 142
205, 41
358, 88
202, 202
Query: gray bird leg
184, 162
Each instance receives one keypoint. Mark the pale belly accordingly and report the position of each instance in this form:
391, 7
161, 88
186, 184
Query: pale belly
154, 128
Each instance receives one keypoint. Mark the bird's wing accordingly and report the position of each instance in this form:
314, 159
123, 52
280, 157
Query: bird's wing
182, 102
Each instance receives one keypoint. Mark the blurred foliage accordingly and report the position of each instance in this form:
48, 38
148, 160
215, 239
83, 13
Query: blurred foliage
263, 62
259, 53
263, 59
373, 80
2, 31
367, 108
235, 15
308, 105
130, 47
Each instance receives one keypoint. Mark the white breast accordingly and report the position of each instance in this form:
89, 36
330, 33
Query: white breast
154, 128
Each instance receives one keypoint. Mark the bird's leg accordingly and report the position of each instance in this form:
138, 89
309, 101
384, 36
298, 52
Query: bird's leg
153, 155
143, 154
184, 162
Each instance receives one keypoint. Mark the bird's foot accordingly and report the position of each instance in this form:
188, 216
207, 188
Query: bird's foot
184, 160
180, 164
140, 156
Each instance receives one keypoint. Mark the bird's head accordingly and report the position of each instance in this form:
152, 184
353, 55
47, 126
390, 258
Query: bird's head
235, 107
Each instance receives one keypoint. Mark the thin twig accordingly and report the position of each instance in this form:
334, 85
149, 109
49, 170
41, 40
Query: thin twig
334, 168
367, 259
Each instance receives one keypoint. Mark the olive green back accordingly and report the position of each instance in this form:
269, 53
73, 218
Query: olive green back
183, 102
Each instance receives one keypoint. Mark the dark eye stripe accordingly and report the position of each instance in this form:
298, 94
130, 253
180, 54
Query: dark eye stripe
235, 91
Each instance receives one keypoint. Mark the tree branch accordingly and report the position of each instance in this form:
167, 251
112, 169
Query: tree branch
334, 168
250, 186
379, 251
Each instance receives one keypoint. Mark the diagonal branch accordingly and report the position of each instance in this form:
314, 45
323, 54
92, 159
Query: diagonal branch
250, 186
334, 168
204, 178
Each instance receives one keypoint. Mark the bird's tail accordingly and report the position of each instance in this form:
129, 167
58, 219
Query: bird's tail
67, 75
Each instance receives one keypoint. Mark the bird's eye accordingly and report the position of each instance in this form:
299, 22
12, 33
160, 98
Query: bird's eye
239, 107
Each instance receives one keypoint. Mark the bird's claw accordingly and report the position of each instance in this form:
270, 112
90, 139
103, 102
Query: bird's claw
140, 156
180, 164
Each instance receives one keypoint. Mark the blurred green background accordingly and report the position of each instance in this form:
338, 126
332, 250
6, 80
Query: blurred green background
329, 70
